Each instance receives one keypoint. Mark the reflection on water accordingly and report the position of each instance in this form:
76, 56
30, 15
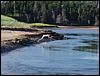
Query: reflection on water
54, 47
73, 34
77, 54
90, 39
86, 48
92, 46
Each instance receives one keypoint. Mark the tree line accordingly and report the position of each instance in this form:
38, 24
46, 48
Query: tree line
54, 12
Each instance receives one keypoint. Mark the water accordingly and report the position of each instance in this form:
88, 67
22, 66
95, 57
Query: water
78, 55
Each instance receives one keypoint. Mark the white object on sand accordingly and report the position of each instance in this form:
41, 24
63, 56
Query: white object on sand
43, 37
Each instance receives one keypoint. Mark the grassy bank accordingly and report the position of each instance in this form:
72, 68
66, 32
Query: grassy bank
41, 24
13, 23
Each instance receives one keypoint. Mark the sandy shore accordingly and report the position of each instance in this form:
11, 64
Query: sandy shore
8, 34
11, 40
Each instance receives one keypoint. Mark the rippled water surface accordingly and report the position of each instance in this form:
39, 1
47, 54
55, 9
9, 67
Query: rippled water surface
77, 54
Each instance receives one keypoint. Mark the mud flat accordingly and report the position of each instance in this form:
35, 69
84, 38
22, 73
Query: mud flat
12, 39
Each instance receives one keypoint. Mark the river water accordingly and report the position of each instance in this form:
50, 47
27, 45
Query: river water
77, 55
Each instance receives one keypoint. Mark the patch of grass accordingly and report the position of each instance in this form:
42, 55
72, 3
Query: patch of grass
11, 22
5, 18
14, 24
41, 24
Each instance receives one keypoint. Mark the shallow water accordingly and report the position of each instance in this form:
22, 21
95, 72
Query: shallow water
78, 55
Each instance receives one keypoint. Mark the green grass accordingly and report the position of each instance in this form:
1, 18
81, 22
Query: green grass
41, 24
5, 18
11, 22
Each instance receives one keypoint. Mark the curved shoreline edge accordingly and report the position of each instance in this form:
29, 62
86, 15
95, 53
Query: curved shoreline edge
30, 36
26, 39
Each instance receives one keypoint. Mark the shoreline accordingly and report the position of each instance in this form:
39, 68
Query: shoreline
80, 27
12, 39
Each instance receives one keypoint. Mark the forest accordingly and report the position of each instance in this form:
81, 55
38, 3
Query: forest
53, 12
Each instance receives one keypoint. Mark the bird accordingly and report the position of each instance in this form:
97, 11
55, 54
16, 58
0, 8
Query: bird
44, 37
